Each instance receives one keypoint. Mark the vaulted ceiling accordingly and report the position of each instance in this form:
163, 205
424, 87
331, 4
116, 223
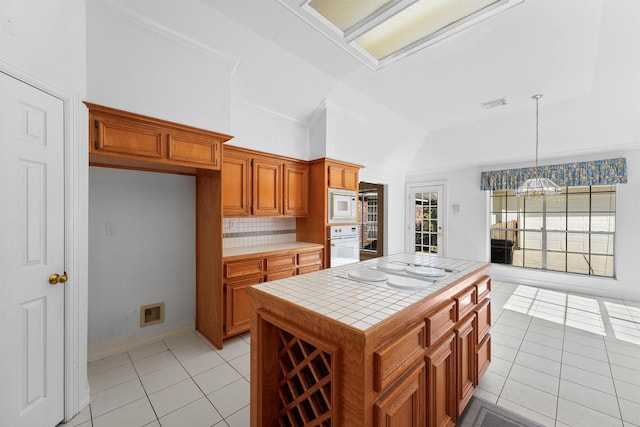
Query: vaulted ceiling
548, 46
584, 56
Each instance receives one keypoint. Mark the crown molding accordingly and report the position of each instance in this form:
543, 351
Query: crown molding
242, 103
144, 22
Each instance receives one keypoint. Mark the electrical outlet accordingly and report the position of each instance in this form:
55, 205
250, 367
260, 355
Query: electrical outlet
111, 228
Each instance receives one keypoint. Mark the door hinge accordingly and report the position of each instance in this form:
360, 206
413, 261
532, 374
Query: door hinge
96, 124
95, 144
251, 162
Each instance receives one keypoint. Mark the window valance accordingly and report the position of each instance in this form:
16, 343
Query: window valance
596, 172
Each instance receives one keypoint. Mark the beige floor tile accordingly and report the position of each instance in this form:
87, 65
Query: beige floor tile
115, 397
174, 397
200, 413
138, 413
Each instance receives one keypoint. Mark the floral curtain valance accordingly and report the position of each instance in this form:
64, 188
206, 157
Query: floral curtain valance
597, 172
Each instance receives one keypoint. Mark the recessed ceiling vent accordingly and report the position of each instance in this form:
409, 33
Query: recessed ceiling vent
495, 103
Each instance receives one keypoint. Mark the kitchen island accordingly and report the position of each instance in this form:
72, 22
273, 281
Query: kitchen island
329, 348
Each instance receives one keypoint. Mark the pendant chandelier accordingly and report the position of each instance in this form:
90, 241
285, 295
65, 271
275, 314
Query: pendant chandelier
538, 187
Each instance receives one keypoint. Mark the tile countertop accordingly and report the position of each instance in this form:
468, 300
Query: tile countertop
362, 305
263, 249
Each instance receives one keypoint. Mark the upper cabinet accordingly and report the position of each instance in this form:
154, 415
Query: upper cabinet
236, 185
295, 189
266, 186
123, 139
261, 184
342, 176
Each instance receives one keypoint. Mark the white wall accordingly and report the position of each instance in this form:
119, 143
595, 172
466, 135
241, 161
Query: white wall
139, 67
256, 128
150, 259
467, 235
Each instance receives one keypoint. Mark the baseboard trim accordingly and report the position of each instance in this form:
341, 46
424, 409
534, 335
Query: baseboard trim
125, 344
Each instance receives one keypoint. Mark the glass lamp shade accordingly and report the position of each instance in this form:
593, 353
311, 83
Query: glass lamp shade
538, 188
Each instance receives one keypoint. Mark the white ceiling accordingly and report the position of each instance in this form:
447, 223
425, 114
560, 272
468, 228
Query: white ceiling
583, 55
539, 46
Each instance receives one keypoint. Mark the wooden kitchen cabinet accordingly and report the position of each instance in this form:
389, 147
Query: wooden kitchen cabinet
236, 184
295, 193
240, 272
441, 385
466, 362
238, 305
261, 184
266, 187
403, 404
343, 177
133, 141
125, 140
416, 368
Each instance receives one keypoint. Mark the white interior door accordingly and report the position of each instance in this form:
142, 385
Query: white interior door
31, 249
425, 218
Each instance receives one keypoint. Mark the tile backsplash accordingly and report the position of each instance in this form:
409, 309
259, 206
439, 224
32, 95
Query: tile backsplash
241, 232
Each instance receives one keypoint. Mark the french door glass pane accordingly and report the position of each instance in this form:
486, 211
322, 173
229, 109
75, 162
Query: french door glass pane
426, 226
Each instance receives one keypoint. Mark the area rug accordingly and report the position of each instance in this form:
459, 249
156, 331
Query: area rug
480, 413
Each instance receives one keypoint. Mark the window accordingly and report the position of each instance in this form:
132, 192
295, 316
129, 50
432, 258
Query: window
573, 232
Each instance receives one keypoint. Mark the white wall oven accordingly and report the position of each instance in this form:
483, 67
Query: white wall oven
343, 206
343, 245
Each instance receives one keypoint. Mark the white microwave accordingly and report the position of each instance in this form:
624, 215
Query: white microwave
343, 206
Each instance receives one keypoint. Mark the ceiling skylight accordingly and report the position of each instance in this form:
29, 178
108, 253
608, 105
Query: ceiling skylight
379, 32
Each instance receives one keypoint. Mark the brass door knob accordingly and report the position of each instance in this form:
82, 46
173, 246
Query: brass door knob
54, 279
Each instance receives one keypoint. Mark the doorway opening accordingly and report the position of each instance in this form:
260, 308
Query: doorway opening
371, 220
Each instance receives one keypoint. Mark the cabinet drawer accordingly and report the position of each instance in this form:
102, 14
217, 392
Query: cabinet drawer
483, 288
310, 258
483, 311
280, 262
280, 275
392, 359
483, 356
242, 268
440, 322
309, 269
186, 148
465, 301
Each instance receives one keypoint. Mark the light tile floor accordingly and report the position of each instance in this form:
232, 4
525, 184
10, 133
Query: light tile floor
559, 358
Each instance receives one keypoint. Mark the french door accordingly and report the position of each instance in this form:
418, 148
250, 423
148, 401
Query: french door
425, 219
31, 255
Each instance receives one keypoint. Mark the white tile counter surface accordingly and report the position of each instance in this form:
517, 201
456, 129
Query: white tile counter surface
361, 305
249, 250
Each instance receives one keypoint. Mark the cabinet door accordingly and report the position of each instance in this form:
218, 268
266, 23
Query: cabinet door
193, 150
126, 138
466, 370
236, 192
441, 364
336, 177
403, 404
296, 189
343, 177
350, 179
267, 188
238, 306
